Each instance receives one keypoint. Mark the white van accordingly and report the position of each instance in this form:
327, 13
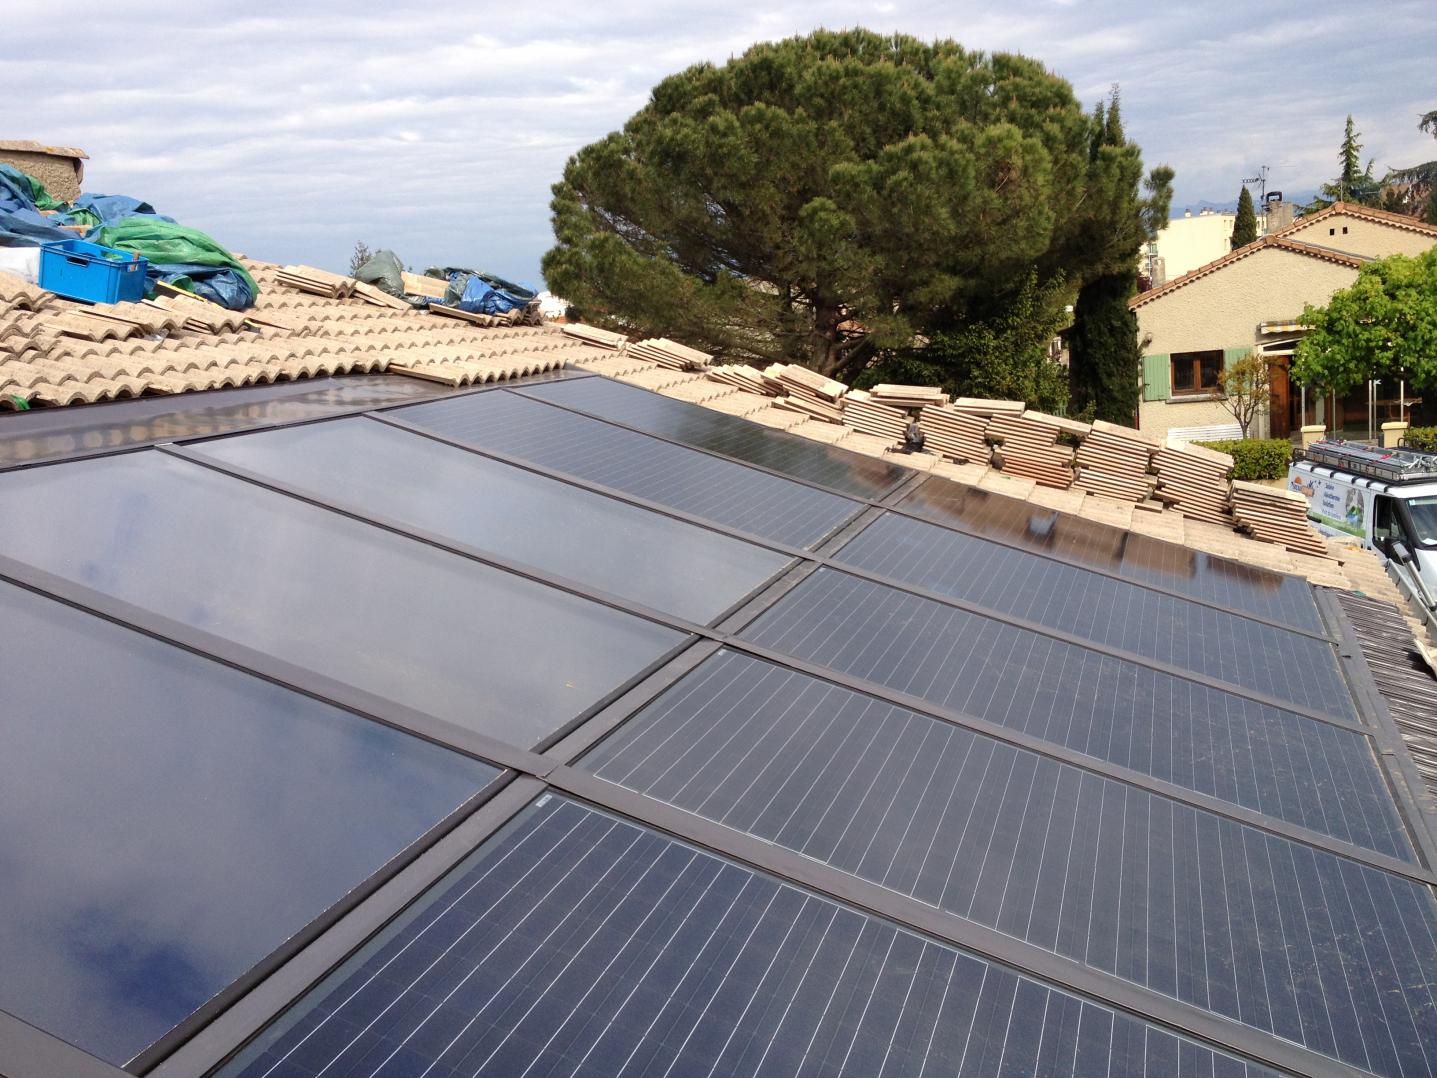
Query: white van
1385, 497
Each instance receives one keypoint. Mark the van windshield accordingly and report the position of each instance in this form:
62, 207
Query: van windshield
1424, 519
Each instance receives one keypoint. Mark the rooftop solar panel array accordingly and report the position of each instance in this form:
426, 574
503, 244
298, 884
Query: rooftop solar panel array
1254, 927
805, 774
576, 943
704, 428
1102, 547
765, 505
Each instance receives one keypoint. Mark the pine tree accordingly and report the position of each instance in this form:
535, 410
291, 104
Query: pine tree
1244, 229
827, 199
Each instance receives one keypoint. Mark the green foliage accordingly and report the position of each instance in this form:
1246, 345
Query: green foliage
1256, 458
359, 257
1384, 325
1421, 438
1244, 229
1103, 350
1353, 182
1003, 356
1247, 388
830, 199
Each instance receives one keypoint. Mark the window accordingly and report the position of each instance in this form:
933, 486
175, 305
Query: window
1196, 372
1387, 523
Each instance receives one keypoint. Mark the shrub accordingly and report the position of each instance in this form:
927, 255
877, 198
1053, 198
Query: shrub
1422, 438
1256, 458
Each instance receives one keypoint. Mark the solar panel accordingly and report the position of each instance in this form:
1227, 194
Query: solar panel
731, 494
1137, 557
53, 433
477, 646
169, 822
577, 943
1262, 930
558, 528
838, 469
1103, 609
1288, 766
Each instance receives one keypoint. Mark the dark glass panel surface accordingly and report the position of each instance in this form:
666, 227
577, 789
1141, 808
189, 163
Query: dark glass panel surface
1160, 894
169, 821
1138, 557
1295, 768
552, 526
764, 505
409, 622
792, 454
574, 943
52, 433
1284, 664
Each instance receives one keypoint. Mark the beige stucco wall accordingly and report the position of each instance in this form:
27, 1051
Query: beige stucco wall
1362, 237
1223, 309
60, 175
1159, 417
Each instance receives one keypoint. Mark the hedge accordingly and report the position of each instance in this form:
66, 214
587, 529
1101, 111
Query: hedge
1422, 438
1256, 458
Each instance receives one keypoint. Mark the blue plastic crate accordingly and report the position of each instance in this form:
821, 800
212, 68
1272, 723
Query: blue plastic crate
87, 271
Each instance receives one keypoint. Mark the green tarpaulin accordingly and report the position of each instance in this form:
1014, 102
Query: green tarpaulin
168, 244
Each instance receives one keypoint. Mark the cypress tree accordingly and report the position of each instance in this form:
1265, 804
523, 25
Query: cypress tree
1244, 229
1104, 354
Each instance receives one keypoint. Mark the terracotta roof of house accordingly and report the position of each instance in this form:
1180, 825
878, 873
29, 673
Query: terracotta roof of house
27, 146
1363, 213
55, 351
1278, 240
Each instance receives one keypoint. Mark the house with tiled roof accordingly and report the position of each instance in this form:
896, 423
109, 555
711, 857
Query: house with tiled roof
1250, 300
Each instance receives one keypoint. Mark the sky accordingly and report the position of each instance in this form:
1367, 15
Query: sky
289, 131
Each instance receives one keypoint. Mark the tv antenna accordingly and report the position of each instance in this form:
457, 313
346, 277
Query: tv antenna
1261, 180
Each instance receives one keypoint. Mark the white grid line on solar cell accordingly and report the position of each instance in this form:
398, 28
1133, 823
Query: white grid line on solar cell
680, 750
1168, 727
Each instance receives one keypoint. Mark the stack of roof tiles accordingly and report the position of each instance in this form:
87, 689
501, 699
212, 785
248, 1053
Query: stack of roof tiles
1194, 479
742, 376
907, 396
1113, 461
862, 413
806, 391
1275, 516
955, 431
600, 338
1028, 446
670, 354
317, 282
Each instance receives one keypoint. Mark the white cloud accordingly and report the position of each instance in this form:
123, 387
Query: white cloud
291, 131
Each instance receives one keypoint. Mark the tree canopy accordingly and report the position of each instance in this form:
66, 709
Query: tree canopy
832, 198
1244, 229
1383, 326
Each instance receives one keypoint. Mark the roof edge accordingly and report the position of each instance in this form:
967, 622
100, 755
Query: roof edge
1277, 240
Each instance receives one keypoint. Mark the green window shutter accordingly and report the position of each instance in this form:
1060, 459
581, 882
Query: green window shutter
1157, 375
1232, 355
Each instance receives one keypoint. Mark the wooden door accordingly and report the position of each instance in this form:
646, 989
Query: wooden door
1280, 407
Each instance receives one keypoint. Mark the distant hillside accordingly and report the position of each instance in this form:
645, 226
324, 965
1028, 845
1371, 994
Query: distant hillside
1301, 198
